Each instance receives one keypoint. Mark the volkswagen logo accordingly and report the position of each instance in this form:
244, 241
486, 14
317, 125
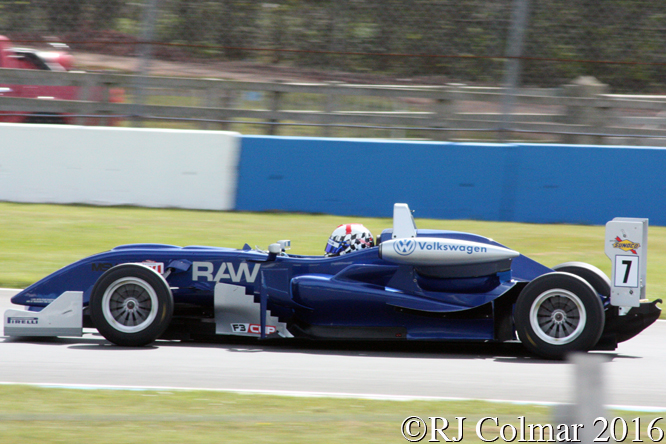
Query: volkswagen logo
404, 247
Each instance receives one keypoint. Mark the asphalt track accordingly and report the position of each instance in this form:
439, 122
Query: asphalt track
632, 375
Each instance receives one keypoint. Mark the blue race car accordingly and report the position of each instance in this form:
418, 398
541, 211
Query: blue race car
427, 285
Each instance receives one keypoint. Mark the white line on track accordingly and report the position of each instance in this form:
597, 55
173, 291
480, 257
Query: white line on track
306, 394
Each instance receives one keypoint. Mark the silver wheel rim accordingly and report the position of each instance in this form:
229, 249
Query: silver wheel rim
558, 316
130, 305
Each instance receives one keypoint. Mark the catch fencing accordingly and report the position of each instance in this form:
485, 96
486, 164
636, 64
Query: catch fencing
620, 42
508, 44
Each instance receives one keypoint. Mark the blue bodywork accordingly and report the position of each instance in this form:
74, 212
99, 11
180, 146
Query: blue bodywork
354, 296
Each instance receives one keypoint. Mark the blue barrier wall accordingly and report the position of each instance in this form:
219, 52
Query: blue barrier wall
512, 182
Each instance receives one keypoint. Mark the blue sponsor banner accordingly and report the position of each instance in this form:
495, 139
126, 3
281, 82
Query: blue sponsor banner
508, 182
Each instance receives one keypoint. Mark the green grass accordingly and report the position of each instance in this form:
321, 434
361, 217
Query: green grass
31, 414
36, 240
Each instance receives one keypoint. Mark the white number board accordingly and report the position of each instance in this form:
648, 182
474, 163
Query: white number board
625, 271
626, 246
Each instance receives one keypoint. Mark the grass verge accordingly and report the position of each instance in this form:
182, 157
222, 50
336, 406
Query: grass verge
32, 414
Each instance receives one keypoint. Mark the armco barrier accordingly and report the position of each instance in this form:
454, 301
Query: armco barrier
118, 166
514, 182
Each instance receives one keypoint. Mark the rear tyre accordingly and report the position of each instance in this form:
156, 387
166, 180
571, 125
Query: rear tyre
597, 278
131, 305
558, 313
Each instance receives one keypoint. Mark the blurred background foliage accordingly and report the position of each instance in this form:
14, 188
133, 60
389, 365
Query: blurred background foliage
620, 42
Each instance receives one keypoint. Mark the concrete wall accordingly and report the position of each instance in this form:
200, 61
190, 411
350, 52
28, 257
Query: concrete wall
118, 166
526, 183
218, 170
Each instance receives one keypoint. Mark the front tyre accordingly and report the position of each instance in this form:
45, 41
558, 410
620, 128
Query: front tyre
559, 313
131, 305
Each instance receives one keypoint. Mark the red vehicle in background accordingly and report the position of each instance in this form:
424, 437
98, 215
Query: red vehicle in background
56, 60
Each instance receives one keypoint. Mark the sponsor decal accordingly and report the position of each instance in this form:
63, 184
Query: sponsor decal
227, 271
104, 266
252, 328
101, 266
23, 321
625, 245
157, 266
441, 246
39, 301
404, 247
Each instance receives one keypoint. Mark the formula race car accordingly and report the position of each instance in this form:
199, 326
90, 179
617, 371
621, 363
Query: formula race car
427, 285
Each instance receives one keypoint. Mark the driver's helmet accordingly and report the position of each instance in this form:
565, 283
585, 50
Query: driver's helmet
348, 238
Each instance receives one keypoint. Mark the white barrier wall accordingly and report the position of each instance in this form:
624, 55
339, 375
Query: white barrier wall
118, 166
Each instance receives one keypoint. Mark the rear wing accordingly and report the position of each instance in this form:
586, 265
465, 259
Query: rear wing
626, 246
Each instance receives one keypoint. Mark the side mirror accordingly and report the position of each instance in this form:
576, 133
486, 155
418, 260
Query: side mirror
285, 244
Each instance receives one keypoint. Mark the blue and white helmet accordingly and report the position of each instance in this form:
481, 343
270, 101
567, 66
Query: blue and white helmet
348, 238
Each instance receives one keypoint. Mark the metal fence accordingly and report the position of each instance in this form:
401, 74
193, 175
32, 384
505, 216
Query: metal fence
620, 42
493, 43
580, 113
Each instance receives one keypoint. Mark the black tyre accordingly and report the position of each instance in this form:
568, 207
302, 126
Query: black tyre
131, 305
558, 313
597, 278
